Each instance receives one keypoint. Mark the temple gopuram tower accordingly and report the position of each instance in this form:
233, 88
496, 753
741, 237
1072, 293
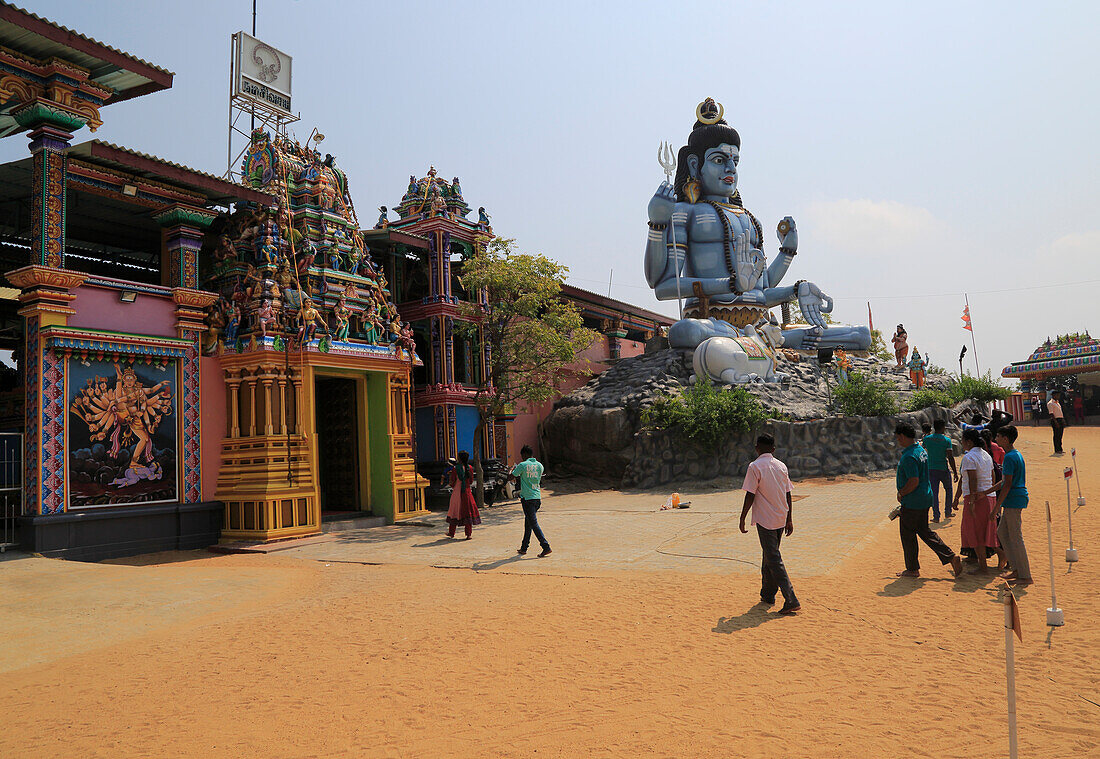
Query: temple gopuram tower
317, 362
430, 296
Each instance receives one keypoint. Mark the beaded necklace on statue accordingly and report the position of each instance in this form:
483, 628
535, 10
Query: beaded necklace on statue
727, 230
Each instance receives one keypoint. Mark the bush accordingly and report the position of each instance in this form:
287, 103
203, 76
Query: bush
929, 396
984, 389
863, 396
706, 414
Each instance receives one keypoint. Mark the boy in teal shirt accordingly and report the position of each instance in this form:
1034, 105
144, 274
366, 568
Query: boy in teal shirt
529, 473
941, 454
915, 497
1012, 497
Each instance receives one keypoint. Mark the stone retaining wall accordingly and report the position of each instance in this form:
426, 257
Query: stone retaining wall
817, 448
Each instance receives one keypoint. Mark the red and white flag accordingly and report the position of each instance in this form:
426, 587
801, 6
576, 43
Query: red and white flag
966, 319
1068, 472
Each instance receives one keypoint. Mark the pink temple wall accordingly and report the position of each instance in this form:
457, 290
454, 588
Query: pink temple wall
100, 308
525, 428
212, 395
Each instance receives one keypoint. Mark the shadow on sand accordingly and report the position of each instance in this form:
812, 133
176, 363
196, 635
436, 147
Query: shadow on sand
754, 617
485, 566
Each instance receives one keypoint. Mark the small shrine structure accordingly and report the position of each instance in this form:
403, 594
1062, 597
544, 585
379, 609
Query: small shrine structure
430, 295
1073, 357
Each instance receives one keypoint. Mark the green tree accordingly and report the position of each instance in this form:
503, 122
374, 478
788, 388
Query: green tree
533, 336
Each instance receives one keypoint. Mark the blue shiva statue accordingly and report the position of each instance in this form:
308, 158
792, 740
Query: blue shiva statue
705, 246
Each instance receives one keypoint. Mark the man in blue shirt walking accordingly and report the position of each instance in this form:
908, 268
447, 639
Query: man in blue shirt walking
915, 497
529, 473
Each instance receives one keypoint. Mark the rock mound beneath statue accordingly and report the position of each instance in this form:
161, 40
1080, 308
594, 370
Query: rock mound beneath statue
596, 429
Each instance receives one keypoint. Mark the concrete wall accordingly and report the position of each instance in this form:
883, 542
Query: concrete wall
818, 448
100, 308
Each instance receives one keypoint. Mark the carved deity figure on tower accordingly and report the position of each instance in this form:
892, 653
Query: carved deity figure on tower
704, 246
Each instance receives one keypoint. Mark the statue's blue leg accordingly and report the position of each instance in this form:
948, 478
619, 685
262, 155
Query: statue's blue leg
686, 334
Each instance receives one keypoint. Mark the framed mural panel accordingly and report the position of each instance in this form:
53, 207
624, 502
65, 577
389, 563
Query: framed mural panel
123, 432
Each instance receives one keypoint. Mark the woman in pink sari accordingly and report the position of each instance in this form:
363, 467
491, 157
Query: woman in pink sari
463, 509
979, 532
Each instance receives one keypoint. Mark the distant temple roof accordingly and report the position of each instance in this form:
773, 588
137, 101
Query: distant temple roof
1067, 354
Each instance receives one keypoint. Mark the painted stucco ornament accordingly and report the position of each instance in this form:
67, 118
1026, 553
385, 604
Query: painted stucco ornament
706, 248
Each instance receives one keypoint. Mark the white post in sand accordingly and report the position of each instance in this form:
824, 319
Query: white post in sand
1055, 617
1010, 671
1077, 476
1071, 552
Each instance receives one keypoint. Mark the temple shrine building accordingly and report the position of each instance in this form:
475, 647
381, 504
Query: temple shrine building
1069, 362
195, 359
201, 360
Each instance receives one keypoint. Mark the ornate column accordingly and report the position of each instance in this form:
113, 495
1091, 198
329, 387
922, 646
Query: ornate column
45, 303
50, 132
183, 227
233, 386
282, 403
296, 381
190, 312
250, 388
265, 387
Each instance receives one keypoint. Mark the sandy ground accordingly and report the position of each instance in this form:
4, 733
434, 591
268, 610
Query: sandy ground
279, 656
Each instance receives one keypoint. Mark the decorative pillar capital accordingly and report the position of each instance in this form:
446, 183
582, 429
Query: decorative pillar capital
190, 309
45, 119
184, 227
46, 292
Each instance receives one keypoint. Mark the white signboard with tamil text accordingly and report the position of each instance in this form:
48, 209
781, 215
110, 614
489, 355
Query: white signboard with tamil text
262, 73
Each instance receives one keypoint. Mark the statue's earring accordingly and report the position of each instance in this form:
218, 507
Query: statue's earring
691, 190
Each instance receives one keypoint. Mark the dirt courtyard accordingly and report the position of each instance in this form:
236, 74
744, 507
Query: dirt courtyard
612, 646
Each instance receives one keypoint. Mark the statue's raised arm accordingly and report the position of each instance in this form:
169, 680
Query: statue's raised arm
704, 246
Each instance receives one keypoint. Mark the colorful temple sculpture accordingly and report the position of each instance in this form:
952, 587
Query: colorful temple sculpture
425, 247
1070, 363
317, 360
706, 250
194, 359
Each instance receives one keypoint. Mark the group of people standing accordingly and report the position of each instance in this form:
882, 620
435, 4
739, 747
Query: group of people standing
462, 509
992, 485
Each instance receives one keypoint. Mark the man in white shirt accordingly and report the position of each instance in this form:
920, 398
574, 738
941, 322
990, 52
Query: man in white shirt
768, 493
1057, 420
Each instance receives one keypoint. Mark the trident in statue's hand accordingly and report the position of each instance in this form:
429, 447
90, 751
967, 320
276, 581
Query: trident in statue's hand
666, 156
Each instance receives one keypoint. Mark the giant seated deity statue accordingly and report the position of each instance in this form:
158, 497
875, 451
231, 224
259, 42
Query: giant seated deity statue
706, 247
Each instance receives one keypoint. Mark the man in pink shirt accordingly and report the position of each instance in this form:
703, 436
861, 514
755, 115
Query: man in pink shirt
768, 493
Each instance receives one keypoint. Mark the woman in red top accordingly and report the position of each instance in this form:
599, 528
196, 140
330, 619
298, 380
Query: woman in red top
463, 508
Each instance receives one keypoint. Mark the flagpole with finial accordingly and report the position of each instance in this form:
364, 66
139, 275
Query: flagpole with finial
973, 341
666, 157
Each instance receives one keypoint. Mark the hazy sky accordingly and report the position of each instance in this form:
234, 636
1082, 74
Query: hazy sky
925, 149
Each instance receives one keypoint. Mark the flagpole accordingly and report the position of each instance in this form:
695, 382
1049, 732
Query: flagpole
973, 341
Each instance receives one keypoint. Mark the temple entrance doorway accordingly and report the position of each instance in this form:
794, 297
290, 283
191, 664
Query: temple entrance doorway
338, 445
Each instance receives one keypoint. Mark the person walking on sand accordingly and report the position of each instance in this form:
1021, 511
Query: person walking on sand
941, 455
463, 508
768, 493
1057, 420
915, 497
529, 473
1012, 499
